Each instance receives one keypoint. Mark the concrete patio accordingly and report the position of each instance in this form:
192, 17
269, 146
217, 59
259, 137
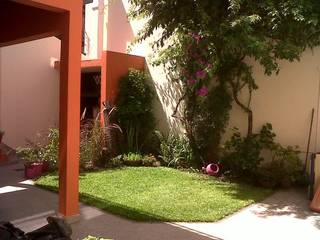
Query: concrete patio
285, 215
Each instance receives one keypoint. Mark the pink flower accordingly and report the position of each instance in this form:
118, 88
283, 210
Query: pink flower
203, 91
191, 81
196, 37
209, 65
201, 74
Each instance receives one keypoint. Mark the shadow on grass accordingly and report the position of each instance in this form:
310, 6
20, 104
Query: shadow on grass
115, 208
241, 191
123, 210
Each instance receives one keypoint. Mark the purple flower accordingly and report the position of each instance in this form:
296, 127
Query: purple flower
201, 74
203, 91
191, 81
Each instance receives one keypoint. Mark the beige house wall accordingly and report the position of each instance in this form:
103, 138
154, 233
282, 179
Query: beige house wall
286, 100
29, 89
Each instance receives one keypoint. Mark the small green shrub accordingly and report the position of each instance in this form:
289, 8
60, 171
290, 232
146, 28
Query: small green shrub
242, 155
134, 159
285, 168
243, 159
175, 151
50, 151
28, 154
134, 113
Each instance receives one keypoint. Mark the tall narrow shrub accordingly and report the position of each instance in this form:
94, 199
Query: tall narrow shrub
135, 116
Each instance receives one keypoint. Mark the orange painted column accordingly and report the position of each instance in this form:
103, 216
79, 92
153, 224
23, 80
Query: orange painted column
103, 93
70, 113
315, 204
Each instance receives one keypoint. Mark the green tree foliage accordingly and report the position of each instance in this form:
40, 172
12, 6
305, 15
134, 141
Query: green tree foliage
207, 45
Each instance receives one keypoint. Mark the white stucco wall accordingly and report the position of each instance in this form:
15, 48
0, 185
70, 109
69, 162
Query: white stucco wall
93, 30
29, 89
286, 100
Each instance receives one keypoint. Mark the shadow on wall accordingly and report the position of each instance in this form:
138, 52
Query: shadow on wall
167, 96
120, 36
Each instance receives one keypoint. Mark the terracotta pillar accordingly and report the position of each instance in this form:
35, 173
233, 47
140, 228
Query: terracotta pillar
103, 93
70, 113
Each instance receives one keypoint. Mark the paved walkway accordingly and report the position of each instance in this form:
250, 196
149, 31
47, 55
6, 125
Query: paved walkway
284, 215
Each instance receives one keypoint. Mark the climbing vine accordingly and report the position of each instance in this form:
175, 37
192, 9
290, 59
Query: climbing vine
210, 46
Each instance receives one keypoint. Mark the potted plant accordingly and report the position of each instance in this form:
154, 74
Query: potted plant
34, 167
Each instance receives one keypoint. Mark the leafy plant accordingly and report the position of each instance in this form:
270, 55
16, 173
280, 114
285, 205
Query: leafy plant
285, 168
242, 155
44, 149
243, 158
134, 113
175, 151
29, 154
50, 151
134, 159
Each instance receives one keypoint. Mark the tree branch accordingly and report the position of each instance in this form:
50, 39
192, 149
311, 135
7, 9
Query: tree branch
178, 104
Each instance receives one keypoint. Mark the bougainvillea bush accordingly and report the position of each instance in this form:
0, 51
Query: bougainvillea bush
206, 46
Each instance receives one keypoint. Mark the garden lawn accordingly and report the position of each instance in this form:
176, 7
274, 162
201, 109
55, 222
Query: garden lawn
161, 194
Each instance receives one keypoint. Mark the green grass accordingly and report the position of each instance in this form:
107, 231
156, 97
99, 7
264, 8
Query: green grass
161, 194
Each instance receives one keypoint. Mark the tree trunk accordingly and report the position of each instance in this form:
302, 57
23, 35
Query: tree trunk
250, 123
245, 108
